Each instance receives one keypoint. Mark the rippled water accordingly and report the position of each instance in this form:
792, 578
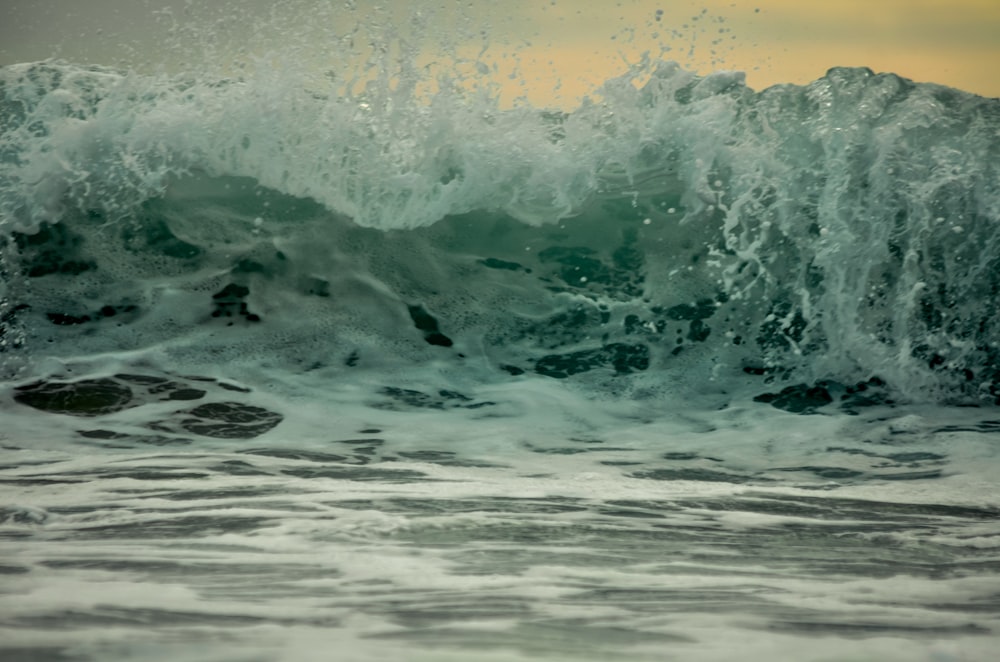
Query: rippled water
410, 532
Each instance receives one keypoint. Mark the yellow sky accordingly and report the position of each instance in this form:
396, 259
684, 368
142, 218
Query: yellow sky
954, 42
578, 43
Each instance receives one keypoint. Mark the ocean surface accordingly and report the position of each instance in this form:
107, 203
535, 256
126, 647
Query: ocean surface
691, 372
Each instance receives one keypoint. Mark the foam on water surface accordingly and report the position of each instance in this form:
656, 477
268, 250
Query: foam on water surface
403, 525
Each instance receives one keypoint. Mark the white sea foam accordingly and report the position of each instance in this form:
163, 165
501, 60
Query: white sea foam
519, 538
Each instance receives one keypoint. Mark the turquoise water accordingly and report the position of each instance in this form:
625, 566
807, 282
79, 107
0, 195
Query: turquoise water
691, 371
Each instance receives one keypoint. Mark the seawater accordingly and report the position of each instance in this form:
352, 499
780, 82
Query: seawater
691, 372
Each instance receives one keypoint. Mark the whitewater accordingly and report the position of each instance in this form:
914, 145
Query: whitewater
369, 365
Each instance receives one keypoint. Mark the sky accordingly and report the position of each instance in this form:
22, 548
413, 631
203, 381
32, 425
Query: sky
552, 51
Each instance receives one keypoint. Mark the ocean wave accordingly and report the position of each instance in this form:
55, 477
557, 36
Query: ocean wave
672, 228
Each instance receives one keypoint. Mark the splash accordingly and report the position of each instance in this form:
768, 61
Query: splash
672, 224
